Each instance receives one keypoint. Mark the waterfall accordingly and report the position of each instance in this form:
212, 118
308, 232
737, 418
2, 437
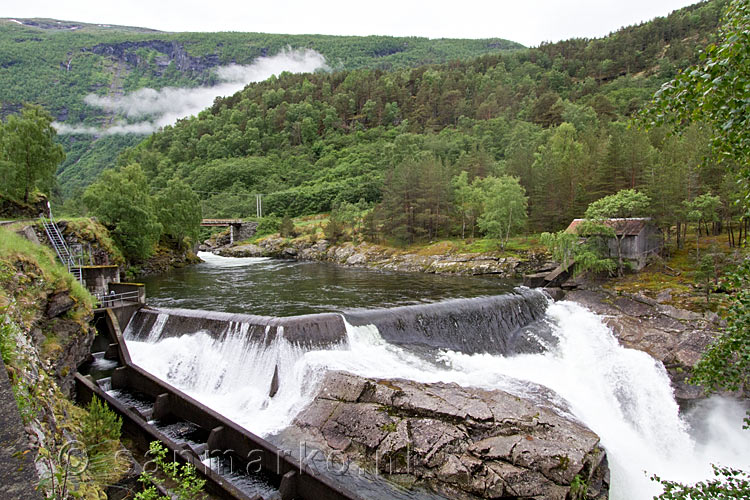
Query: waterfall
483, 324
621, 394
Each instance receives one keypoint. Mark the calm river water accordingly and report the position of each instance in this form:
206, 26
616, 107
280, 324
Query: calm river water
285, 288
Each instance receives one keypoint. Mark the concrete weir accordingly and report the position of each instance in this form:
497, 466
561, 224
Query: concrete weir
310, 331
482, 324
152, 410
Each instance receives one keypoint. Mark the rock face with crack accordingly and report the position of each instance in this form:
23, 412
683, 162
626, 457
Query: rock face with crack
459, 442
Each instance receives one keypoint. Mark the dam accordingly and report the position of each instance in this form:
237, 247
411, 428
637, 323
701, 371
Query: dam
255, 373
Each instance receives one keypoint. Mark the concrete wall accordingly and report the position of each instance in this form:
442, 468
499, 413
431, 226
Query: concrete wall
98, 278
244, 231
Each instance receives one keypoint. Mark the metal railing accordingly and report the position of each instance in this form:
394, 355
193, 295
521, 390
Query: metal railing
116, 299
220, 222
61, 248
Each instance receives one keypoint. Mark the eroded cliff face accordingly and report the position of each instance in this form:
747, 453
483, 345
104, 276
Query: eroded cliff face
459, 442
171, 52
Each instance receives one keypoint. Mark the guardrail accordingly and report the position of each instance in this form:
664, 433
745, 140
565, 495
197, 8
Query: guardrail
116, 299
220, 222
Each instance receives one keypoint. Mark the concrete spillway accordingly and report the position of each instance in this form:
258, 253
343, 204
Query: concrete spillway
483, 324
308, 331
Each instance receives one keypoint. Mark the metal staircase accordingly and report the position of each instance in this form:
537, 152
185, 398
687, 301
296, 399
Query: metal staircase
61, 248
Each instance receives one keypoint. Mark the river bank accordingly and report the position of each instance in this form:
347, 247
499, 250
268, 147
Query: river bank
429, 260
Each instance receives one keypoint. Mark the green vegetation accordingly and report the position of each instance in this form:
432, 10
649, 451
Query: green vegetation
714, 92
100, 435
587, 247
56, 64
726, 364
136, 220
729, 483
578, 488
183, 481
416, 148
121, 200
78, 450
178, 213
16, 249
627, 203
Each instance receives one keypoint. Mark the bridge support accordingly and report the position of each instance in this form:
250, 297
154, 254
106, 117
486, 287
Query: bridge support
238, 230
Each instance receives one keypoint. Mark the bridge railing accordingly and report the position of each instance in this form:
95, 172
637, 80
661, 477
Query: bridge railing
220, 222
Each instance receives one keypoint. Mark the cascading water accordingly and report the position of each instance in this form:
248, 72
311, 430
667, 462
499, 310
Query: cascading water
622, 394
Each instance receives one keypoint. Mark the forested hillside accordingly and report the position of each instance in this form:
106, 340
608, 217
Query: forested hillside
57, 64
554, 118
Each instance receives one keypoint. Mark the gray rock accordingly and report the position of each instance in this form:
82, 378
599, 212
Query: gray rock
248, 250
461, 443
59, 303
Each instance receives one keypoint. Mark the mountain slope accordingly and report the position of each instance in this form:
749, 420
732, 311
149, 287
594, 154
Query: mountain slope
58, 63
310, 142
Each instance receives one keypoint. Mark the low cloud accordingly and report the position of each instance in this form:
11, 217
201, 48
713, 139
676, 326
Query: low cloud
157, 108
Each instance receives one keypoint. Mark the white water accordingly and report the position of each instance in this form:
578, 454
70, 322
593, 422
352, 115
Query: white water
218, 261
621, 394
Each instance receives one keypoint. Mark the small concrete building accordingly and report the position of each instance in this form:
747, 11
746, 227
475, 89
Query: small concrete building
640, 238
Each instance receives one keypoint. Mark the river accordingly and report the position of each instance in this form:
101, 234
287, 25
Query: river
622, 394
285, 287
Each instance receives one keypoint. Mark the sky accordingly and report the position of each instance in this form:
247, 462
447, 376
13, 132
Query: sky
529, 22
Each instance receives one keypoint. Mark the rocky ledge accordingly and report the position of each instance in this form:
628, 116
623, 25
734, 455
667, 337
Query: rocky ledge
461, 443
676, 337
387, 258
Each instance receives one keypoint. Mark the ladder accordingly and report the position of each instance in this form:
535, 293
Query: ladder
61, 248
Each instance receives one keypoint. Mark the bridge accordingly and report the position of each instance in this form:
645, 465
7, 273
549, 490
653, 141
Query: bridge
238, 229
221, 222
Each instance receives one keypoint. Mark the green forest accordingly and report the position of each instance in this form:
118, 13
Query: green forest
57, 63
510, 142
423, 152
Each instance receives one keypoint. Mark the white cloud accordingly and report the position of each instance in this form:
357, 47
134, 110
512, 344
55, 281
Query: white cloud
163, 107
528, 22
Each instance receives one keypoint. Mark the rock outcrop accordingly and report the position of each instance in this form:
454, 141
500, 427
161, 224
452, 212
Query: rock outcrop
170, 52
387, 258
46, 333
458, 442
675, 337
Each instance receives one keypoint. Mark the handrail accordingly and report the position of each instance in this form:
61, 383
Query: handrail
109, 300
221, 222
58, 243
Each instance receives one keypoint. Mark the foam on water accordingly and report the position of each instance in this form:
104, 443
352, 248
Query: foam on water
213, 260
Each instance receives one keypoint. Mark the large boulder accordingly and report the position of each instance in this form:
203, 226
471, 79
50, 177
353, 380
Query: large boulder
459, 442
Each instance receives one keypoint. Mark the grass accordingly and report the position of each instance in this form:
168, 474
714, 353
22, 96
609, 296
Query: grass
16, 249
679, 274
515, 246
